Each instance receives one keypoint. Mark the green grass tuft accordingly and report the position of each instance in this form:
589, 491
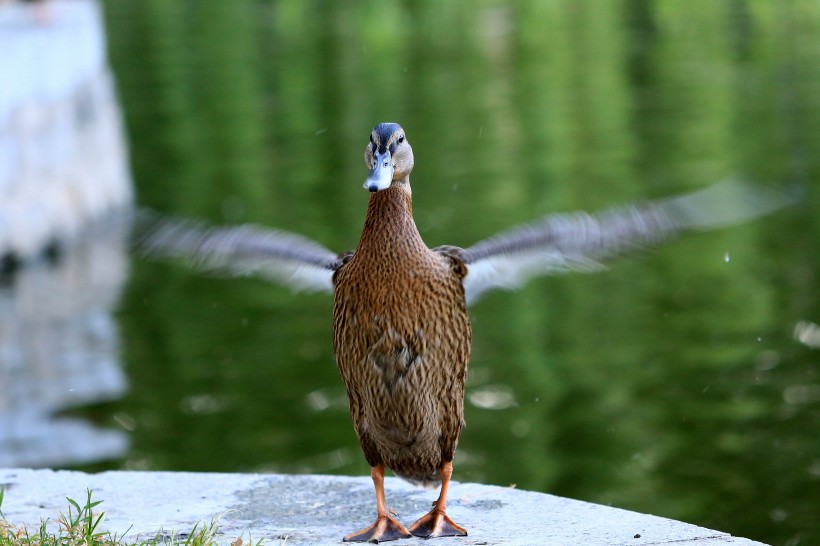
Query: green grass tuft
80, 526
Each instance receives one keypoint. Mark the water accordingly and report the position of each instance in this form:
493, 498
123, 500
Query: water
681, 382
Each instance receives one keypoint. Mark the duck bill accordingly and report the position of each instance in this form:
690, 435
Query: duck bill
381, 175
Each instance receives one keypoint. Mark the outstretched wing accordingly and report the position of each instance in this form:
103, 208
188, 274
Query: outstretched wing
577, 241
284, 257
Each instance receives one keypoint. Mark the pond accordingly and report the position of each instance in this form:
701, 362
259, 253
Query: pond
681, 382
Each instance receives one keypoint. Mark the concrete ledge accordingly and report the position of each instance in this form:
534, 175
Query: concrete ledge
321, 509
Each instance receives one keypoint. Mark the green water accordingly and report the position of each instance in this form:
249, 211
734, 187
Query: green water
672, 384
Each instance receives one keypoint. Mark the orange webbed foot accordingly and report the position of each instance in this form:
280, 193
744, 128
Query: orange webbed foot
437, 523
383, 529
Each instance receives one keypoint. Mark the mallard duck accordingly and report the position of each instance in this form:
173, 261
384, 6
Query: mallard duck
401, 329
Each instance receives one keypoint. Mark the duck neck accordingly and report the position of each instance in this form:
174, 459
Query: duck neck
389, 226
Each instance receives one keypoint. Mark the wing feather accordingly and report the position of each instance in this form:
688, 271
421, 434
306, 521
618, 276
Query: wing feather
287, 258
578, 241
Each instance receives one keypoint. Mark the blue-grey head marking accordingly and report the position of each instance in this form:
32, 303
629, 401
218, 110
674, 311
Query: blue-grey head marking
384, 131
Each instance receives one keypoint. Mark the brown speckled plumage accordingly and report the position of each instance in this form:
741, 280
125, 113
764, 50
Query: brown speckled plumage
402, 342
401, 336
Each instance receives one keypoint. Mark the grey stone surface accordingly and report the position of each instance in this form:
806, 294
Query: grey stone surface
297, 510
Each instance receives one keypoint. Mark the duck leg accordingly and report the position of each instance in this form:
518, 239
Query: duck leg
385, 527
436, 523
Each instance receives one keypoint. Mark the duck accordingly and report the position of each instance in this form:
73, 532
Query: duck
401, 326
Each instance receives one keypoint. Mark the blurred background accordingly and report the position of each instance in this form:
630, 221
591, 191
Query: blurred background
682, 382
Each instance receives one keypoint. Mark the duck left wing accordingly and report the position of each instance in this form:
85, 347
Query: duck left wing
578, 241
287, 258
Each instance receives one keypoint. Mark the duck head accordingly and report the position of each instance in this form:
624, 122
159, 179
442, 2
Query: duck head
389, 158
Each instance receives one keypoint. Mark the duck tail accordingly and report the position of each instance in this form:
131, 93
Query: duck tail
427, 481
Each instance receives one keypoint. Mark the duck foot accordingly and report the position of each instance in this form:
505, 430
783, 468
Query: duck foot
383, 529
437, 523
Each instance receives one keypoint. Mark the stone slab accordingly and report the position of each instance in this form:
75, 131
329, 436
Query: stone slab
309, 509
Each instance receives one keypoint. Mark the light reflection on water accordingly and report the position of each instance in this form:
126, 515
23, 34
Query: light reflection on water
807, 333
59, 350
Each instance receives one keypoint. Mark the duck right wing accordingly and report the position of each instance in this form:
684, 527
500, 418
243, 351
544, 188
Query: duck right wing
243, 250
